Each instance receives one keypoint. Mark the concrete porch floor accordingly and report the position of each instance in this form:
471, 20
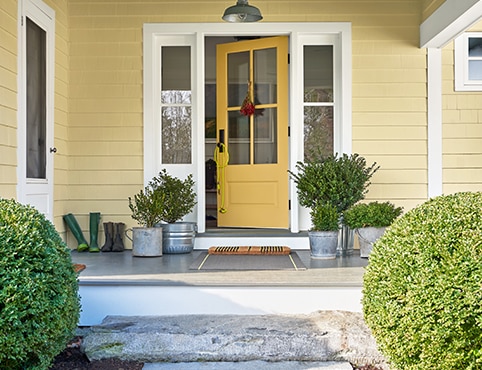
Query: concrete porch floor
120, 284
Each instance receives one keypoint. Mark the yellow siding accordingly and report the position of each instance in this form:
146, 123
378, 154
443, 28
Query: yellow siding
462, 131
8, 99
389, 101
105, 118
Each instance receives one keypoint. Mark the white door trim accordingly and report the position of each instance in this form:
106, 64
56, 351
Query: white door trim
44, 17
299, 33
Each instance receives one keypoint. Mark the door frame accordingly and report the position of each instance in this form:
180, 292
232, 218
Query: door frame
300, 34
44, 17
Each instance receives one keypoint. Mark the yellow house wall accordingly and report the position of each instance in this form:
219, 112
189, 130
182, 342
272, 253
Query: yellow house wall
105, 132
462, 131
8, 99
8, 103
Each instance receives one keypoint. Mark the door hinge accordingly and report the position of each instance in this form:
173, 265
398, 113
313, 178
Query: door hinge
289, 205
289, 131
288, 58
22, 20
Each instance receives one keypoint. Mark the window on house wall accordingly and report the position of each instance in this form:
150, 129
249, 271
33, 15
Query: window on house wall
318, 100
468, 62
176, 105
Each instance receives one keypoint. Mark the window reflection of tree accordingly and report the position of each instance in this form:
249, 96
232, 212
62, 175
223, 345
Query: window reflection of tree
176, 126
318, 123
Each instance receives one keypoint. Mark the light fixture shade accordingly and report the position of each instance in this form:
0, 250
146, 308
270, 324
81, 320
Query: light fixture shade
242, 12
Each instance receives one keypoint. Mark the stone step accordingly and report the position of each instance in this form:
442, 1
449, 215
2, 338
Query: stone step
338, 336
251, 365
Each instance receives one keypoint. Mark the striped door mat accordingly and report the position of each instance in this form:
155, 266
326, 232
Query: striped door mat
256, 250
248, 258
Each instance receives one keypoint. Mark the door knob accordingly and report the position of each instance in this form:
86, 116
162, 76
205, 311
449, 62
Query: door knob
53, 150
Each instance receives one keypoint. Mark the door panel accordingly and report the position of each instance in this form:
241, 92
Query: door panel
35, 149
254, 192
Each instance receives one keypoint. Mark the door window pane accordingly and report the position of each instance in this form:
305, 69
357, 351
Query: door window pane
238, 76
318, 131
36, 102
318, 100
318, 73
266, 137
265, 71
176, 105
238, 138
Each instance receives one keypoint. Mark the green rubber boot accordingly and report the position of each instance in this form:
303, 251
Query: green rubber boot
94, 232
76, 231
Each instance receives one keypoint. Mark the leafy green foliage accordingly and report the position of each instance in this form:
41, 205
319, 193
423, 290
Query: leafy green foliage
422, 295
337, 180
148, 206
39, 303
166, 198
373, 214
325, 217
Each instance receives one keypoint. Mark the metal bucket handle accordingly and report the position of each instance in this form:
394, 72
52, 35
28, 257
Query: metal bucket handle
127, 236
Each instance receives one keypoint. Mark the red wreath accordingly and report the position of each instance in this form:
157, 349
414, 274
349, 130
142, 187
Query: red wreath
247, 108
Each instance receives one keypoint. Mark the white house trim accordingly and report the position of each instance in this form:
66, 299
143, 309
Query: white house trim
434, 129
451, 19
36, 192
299, 34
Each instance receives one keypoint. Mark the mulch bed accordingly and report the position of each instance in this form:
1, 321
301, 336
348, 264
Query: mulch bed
72, 358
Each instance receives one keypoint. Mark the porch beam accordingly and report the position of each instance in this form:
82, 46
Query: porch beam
451, 19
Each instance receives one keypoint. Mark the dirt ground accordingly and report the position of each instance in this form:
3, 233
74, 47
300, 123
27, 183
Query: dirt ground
72, 358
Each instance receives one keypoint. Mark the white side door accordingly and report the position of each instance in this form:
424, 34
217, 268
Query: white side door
36, 105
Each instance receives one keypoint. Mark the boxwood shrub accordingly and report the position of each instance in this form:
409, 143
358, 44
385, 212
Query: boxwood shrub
39, 303
422, 294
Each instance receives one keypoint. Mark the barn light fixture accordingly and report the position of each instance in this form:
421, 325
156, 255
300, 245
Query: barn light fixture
242, 12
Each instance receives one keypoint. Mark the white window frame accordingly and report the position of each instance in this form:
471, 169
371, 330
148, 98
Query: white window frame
461, 52
300, 34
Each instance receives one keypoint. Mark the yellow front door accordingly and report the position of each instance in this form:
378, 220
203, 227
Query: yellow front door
253, 148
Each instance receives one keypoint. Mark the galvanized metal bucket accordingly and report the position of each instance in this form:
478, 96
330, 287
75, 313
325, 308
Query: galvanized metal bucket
367, 236
323, 244
178, 237
146, 242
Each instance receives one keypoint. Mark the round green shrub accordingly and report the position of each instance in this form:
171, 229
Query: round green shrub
39, 303
422, 294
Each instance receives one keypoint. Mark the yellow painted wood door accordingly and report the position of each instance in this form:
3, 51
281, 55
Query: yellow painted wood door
253, 149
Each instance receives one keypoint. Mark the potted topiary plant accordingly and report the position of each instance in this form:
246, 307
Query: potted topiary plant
179, 199
324, 234
147, 209
370, 220
340, 181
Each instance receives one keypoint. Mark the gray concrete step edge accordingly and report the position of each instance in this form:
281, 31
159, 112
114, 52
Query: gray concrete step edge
338, 336
250, 365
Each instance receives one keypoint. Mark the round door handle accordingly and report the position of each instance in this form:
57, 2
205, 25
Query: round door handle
53, 150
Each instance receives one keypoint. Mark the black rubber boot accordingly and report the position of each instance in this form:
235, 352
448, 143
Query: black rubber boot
76, 231
118, 245
94, 232
109, 237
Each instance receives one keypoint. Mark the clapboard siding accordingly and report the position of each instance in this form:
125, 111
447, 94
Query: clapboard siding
462, 131
8, 98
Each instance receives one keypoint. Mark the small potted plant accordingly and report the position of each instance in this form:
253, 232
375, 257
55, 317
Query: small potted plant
369, 220
147, 209
324, 234
166, 200
340, 181
179, 199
